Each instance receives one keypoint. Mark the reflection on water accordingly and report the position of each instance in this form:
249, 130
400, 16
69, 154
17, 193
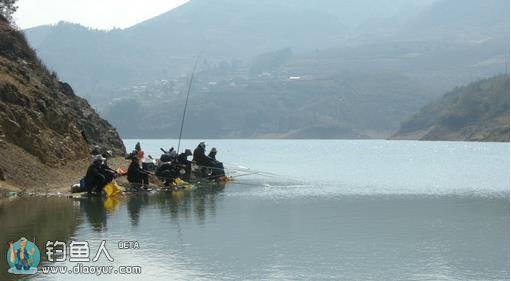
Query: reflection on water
41, 219
176, 204
204, 234
94, 210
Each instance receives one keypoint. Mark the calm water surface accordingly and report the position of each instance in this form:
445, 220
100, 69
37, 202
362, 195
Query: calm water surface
330, 210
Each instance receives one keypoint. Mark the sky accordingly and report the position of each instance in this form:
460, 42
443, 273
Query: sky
99, 14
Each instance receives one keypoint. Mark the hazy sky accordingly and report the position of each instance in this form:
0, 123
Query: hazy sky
101, 14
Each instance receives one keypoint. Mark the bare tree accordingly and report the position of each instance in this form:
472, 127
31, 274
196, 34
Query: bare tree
7, 8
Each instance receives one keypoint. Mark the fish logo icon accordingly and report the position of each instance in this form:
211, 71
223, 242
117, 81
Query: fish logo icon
23, 257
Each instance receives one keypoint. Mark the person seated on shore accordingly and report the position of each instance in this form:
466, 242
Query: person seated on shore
94, 179
202, 160
182, 159
137, 176
218, 167
200, 157
139, 153
212, 153
108, 172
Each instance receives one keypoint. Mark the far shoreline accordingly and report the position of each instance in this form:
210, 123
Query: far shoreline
316, 139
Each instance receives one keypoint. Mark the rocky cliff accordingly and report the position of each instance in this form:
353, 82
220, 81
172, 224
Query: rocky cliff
41, 115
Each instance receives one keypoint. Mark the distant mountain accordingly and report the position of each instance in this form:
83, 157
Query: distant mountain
414, 51
438, 65
476, 112
461, 20
96, 61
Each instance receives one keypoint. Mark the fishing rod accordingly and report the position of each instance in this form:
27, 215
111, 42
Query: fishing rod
186, 102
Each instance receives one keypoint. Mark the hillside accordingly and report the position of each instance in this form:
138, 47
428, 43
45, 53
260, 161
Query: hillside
95, 62
476, 112
44, 126
349, 105
399, 55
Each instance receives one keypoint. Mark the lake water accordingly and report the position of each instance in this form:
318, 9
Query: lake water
317, 210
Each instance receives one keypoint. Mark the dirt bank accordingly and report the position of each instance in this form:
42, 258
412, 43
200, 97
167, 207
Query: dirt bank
26, 173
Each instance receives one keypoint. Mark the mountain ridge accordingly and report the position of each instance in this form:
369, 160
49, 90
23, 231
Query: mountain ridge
322, 40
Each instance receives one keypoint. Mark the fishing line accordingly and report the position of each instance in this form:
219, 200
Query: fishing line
244, 175
250, 184
245, 172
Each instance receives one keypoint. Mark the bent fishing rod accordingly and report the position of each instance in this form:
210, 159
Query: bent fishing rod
186, 102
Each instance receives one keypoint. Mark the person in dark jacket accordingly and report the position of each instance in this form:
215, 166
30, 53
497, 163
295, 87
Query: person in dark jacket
202, 160
182, 159
218, 170
137, 175
212, 153
108, 172
94, 179
200, 157
137, 152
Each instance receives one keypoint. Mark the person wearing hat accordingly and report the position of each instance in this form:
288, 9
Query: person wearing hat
200, 157
202, 160
138, 152
108, 172
219, 166
94, 178
182, 159
137, 176
212, 153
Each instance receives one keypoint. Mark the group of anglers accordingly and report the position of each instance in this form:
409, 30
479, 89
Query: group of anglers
169, 167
